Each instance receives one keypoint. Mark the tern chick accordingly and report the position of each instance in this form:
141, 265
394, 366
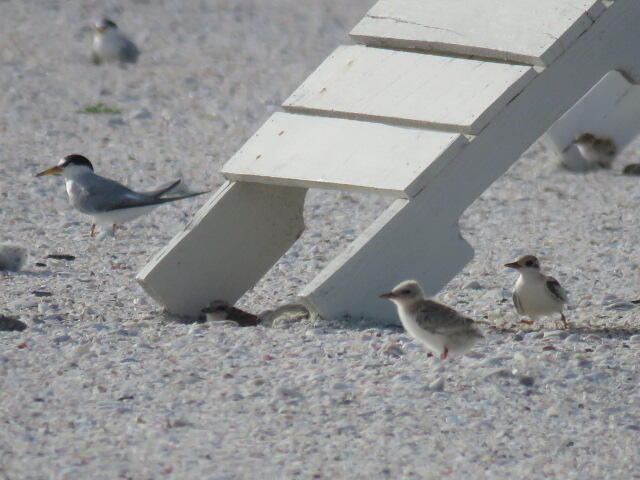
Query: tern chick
439, 327
219, 310
597, 151
535, 294
12, 257
106, 201
111, 45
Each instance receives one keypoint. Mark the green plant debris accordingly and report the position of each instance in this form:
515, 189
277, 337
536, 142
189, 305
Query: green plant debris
98, 108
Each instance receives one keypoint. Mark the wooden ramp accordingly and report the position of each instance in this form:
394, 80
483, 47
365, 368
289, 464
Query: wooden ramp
439, 101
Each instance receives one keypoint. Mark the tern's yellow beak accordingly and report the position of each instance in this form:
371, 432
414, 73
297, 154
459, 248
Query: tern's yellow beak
50, 171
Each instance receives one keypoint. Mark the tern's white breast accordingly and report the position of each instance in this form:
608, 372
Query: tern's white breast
535, 298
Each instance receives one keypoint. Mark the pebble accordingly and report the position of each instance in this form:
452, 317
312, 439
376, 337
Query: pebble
473, 285
140, 114
11, 324
437, 385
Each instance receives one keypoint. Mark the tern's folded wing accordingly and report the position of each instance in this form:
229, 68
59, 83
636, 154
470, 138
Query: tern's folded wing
91, 193
555, 289
437, 318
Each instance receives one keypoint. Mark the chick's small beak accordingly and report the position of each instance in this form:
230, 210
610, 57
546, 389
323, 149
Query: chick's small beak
50, 171
388, 295
515, 265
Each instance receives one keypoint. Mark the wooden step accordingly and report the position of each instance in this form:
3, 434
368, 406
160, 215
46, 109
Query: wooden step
410, 88
534, 32
323, 152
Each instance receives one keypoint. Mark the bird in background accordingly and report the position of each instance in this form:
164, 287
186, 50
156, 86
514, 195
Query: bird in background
440, 328
111, 45
597, 151
536, 294
219, 310
106, 201
12, 257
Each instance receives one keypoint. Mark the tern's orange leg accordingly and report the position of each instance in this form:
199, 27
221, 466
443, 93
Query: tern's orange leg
528, 322
444, 353
564, 320
113, 229
92, 233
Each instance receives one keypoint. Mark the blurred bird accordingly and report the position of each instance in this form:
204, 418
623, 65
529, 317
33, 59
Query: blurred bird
535, 294
219, 310
597, 151
12, 257
111, 45
439, 327
106, 201
631, 169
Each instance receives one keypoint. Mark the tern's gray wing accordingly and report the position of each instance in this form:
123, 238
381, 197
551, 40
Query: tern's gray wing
167, 187
518, 303
438, 318
129, 52
556, 290
91, 193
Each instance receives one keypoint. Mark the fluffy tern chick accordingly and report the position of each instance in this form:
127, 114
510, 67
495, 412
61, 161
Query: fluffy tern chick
439, 327
597, 151
219, 310
536, 294
106, 201
111, 45
12, 257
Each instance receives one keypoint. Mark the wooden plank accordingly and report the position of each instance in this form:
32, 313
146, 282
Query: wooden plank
605, 47
324, 152
410, 88
533, 32
232, 241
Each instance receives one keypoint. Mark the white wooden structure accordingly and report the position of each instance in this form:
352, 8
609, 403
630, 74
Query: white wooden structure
441, 98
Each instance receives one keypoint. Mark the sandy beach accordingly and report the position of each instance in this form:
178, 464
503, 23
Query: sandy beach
104, 385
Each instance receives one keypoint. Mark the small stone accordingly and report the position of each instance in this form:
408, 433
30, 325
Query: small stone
519, 357
527, 381
392, 349
634, 339
11, 324
116, 122
518, 338
61, 338
621, 306
437, 385
574, 337
341, 386
453, 420
289, 392
140, 114
552, 412
555, 333
473, 285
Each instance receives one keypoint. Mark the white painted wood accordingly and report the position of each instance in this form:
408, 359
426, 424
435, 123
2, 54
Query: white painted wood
534, 32
411, 88
412, 236
231, 242
324, 152
609, 45
611, 108
414, 239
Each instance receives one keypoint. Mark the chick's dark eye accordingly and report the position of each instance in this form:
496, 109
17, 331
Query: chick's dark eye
529, 263
406, 292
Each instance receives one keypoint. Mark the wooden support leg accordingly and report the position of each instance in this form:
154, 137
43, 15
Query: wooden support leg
399, 245
231, 242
